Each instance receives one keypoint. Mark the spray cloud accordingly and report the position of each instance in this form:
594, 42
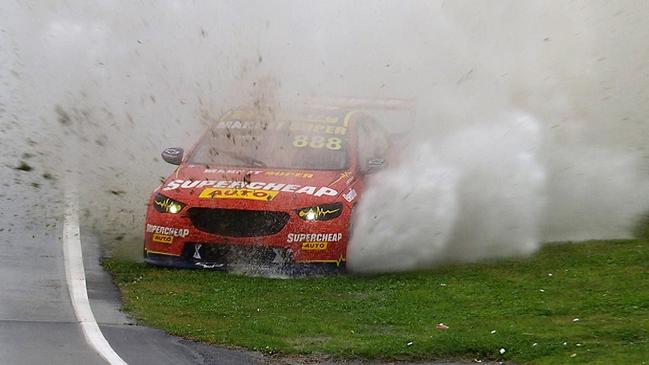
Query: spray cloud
514, 152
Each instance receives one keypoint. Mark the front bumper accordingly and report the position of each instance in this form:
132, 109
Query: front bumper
300, 246
254, 267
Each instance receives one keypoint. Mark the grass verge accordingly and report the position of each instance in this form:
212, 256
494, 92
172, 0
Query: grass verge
585, 303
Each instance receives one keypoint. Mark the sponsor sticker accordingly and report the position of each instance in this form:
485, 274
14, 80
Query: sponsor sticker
213, 185
163, 238
168, 231
305, 175
350, 195
344, 175
248, 194
317, 142
314, 237
249, 124
233, 171
325, 125
322, 212
314, 246
319, 128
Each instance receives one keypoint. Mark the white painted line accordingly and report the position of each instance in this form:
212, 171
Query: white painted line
76, 280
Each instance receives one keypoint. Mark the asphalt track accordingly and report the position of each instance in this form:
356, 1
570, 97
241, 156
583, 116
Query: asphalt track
38, 324
37, 321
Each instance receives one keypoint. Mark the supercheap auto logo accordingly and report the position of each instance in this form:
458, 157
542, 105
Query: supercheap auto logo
255, 186
314, 237
162, 238
314, 246
167, 231
215, 193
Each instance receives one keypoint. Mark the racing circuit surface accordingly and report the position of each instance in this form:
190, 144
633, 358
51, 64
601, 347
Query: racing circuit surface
37, 321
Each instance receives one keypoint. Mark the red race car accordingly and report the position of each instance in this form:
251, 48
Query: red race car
265, 190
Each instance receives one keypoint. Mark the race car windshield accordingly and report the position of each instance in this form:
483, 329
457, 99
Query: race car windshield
285, 148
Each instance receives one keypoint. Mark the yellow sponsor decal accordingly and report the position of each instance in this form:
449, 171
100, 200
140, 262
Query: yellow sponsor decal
348, 117
317, 142
318, 212
305, 175
343, 175
162, 253
163, 238
340, 260
311, 128
314, 246
248, 194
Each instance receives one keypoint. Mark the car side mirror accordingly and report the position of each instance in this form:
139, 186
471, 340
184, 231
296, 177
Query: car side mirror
173, 155
372, 165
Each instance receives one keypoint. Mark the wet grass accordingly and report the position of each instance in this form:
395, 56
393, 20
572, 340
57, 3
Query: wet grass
585, 303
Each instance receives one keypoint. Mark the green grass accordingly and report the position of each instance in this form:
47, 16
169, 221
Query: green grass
603, 284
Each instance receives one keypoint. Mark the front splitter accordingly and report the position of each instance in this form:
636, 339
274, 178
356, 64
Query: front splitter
247, 268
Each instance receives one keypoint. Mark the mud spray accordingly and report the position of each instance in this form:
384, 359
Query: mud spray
531, 123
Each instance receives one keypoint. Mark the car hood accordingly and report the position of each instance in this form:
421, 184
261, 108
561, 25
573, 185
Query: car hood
242, 188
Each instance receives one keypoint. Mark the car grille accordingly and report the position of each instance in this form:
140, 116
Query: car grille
238, 223
235, 255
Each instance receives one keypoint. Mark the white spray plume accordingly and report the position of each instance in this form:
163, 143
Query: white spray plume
475, 194
557, 170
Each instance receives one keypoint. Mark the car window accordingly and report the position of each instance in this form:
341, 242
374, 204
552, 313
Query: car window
275, 145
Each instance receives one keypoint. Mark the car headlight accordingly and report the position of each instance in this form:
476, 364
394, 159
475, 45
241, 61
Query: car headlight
167, 205
323, 212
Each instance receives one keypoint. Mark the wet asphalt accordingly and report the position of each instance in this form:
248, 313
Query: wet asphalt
37, 321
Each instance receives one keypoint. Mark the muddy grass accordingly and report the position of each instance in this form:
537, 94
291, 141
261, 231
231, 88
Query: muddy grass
585, 303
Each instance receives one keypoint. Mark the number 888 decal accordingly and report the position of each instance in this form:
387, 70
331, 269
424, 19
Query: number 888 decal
332, 143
